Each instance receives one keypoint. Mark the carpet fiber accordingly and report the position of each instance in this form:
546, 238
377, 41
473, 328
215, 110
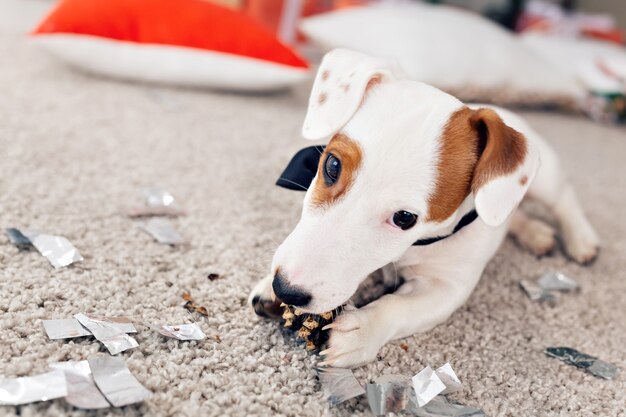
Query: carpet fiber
74, 149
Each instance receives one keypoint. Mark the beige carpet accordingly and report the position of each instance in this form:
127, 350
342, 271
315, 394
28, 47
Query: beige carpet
73, 149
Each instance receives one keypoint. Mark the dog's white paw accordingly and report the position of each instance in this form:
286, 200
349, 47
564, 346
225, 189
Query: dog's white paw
536, 236
354, 340
539, 238
581, 243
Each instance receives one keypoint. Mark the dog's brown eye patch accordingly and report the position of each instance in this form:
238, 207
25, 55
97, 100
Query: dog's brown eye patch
349, 154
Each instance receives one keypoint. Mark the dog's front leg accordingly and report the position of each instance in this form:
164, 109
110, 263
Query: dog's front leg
419, 305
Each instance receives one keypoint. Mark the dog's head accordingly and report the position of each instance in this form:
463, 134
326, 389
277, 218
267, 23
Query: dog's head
405, 161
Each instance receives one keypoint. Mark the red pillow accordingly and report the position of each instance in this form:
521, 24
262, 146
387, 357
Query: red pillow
171, 25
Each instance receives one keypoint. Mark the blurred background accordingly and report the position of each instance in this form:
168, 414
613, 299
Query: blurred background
563, 55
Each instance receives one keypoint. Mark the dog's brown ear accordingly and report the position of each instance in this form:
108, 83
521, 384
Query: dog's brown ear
339, 89
506, 166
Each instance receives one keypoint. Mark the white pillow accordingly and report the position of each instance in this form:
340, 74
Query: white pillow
600, 66
171, 65
457, 51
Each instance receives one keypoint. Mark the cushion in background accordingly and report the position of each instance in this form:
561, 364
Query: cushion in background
181, 42
456, 51
599, 66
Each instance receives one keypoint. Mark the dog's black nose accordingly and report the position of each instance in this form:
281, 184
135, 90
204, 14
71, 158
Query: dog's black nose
289, 294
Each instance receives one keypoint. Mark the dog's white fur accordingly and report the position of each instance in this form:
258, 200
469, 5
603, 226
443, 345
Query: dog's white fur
398, 125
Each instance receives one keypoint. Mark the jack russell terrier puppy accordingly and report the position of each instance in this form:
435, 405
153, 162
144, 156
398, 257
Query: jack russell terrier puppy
410, 176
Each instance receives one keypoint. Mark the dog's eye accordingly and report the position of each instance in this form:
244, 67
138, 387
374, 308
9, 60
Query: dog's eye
404, 219
332, 169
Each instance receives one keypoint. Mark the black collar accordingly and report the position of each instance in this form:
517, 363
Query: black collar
302, 168
468, 218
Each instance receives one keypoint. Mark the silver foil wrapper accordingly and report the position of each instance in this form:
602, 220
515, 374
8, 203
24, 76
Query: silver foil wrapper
116, 382
448, 377
64, 329
547, 286
339, 385
556, 281
18, 239
440, 406
57, 249
189, 331
157, 197
427, 386
581, 360
157, 202
536, 293
111, 335
163, 231
82, 391
389, 394
30, 389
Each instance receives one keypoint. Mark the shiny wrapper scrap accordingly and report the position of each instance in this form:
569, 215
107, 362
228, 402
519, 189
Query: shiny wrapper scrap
116, 382
440, 406
82, 391
448, 377
427, 386
163, 231
18, 239
339, 385
57, 249
535, 292
111, 335
157, 202
389, 394
30, 389
189, 331
556, 281
547, 286
581, 360
64, 329
157, 197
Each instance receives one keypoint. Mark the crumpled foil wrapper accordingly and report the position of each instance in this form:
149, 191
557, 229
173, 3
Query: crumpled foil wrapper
82, 391
581, 360
440, 406
397, 393
30, 389
111, 335
389, 394
157, 197
189, 331
427, 386
557, 281
70, 328
157, 202
18, 239
163, 231
64, 329
548, 285
536, 293
116, 382
448, 377
339, 385
57, 249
